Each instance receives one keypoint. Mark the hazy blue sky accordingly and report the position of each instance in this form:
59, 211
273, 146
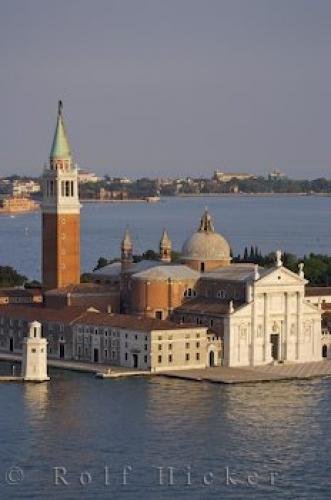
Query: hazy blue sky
168, 87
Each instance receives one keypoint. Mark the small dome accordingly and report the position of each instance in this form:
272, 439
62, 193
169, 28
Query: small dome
206, 244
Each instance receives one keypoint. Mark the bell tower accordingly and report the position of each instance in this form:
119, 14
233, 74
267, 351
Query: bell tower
60, 214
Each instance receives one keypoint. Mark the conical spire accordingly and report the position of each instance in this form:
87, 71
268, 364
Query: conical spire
126, 250
165, 247
165, 241
60, 146
127, 241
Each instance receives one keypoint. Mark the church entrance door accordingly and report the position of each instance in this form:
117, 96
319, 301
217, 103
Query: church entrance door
274, 339
211, 358
61, 350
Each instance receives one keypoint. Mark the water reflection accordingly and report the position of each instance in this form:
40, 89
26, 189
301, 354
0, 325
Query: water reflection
36, 397
82, 423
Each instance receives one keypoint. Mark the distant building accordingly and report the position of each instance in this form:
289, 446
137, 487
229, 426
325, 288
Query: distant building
277, 174
107, 194
228, 176
14, 204
84, 176
24, 188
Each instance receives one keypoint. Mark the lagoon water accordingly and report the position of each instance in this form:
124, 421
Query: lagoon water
253, 441
250, 441
298, 224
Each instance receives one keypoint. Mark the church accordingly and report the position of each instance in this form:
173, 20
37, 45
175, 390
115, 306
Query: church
254, 315
238, 314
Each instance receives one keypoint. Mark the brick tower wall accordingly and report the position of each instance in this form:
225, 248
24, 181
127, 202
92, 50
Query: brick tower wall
61, 250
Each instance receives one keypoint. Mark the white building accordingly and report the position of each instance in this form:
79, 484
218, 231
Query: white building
34, 362
276, 324
140, 343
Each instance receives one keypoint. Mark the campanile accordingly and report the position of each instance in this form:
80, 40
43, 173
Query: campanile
60, 214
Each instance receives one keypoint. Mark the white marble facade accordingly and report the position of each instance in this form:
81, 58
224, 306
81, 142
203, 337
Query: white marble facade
277, 324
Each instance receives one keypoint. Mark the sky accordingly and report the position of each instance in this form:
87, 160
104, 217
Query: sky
168, 87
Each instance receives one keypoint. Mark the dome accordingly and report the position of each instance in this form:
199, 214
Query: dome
205, 244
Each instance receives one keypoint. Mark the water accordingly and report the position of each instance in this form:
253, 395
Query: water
278, 430
298, 224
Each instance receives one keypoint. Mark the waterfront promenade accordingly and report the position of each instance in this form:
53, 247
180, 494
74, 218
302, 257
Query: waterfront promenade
217, 374
268, 373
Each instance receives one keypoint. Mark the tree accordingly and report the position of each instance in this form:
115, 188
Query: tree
102, 262
10, 277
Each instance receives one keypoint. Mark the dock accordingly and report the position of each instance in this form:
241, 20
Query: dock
250, 375
98, 369
10, 378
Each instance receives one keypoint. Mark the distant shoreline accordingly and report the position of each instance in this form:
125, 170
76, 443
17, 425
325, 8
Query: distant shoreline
241, 195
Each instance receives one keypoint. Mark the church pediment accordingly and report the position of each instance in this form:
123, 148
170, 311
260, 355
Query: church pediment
279, 276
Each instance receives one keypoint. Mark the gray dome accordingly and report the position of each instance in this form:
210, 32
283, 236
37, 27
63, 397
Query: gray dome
206, 244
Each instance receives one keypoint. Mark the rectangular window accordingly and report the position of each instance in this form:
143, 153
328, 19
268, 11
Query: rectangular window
67, 188
106, 353
187, 357
145, 359
170, 347
160, 347
187, 345
72, 188
197, 356
159, 359
145, 347
198, 345
170, 358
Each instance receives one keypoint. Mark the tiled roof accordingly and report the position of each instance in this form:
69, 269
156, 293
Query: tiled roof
235, 272
315, 291
129, 322
173, 272
207, 306
20, 292
40, 313
81, 289
113, 269
79, 315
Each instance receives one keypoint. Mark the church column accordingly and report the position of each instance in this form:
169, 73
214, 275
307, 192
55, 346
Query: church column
286, 326
265, 327
253, 330
299, 325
